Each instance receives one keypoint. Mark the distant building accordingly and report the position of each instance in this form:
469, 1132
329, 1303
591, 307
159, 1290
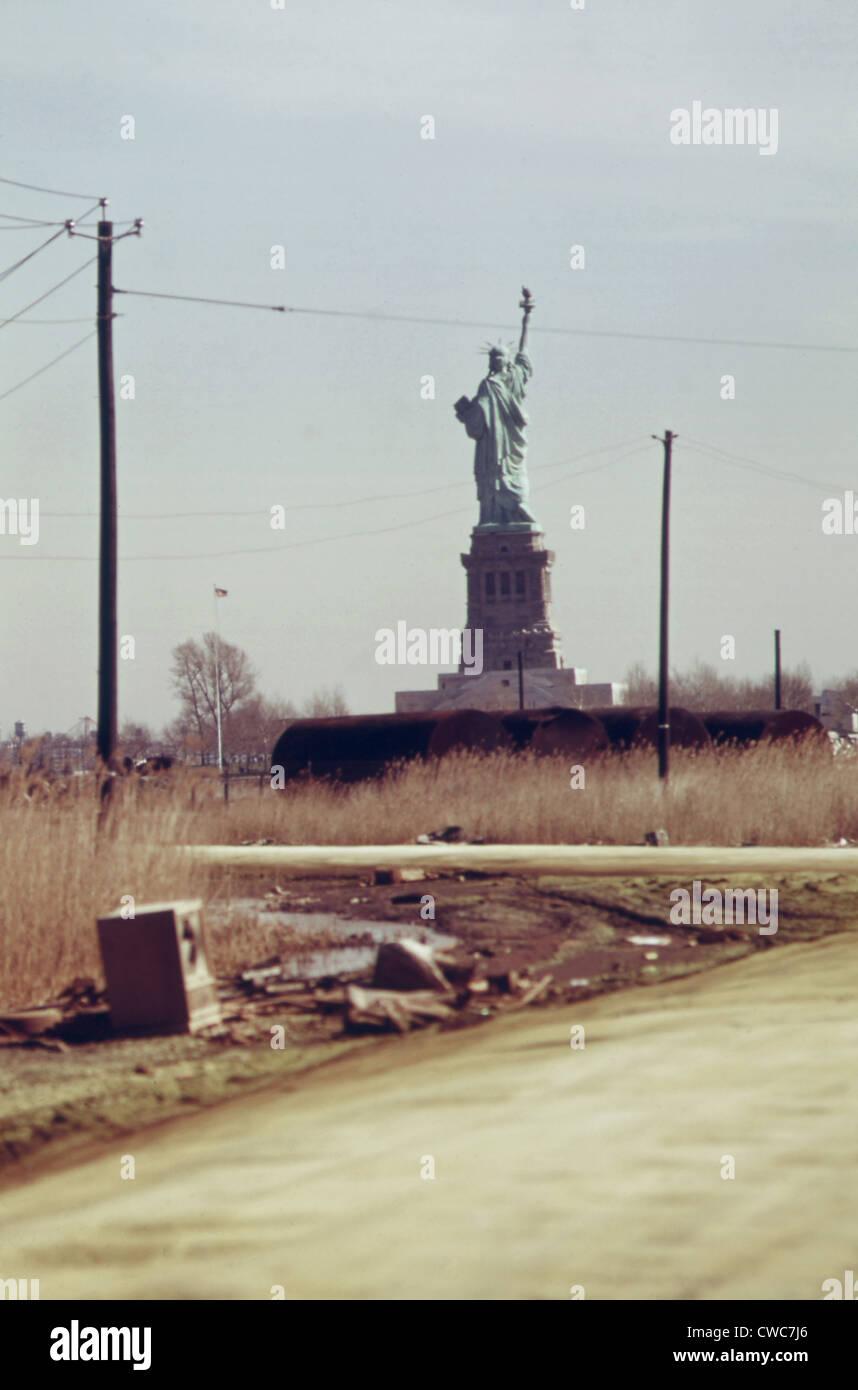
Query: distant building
832, 712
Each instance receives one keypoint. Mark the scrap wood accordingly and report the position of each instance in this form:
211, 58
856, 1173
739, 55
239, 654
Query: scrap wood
535, 992
278, 1003
330, 1000
79, 1012
32, 1022
382, 875
373, 1008
82, 993
14, 1036
256, 978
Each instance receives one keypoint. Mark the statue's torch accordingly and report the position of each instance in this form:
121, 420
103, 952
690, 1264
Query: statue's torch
525, 303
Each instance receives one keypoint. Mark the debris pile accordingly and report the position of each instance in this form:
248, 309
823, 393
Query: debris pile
80, 1014
412, 985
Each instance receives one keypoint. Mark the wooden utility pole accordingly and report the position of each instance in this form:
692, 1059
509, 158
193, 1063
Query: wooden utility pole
777, 668
107, 630
107, 556
663, 677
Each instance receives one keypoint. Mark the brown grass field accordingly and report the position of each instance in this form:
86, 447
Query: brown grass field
58, 873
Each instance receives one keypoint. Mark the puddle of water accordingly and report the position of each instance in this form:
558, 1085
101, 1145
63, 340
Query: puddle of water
329, 960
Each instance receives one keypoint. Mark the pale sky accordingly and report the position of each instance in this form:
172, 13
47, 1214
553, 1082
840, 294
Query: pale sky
256, 127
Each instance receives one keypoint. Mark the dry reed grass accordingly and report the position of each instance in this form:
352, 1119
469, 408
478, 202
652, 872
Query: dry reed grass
775, 795
53, 882
57, 875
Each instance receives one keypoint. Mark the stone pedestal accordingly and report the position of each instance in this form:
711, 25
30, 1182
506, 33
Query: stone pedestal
509, 596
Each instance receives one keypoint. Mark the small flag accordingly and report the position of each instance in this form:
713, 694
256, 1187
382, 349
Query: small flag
220, 593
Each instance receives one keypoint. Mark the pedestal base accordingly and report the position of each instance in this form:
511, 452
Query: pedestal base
509, 595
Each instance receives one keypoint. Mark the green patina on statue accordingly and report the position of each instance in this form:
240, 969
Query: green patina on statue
496, 420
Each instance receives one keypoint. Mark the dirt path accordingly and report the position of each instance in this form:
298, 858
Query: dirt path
554, 1166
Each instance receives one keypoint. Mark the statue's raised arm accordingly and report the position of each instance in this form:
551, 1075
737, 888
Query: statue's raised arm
525, 303
496, 421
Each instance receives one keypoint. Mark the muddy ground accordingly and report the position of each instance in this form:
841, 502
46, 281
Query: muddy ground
591, 936
501, 1162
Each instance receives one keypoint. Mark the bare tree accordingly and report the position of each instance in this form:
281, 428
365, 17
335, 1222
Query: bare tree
137, 740
797, 689
252, 723
700, 688
643, 689
194, 681
257, 724
705, 688
325, 704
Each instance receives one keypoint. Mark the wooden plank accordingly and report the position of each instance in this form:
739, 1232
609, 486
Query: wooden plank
681, 861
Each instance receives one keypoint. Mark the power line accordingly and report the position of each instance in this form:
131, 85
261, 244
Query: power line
696, 446
30, 226
459, 511
293, 545
29, 221
66, 226
588, 453
599, 467
359, 501
44, 323
231, 303
753, 466
52, 362
263, 550
58, 192
505, 327
10, 269
5, 322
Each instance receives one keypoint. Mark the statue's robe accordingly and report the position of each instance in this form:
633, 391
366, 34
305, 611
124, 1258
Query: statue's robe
496, 420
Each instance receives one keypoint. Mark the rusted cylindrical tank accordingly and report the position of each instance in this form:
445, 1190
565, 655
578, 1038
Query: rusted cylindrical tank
474, 730
521, 723
557, 731
743, 727
620, 722
636, 726
357, 746
687, 729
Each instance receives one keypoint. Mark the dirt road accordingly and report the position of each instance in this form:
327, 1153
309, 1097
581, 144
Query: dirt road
554, 1166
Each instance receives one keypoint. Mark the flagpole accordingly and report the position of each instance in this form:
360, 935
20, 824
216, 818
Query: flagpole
217, 684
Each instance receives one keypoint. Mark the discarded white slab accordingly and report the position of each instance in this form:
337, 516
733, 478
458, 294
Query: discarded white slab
680, 861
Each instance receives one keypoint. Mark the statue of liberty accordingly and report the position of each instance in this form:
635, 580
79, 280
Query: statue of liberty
496, 420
